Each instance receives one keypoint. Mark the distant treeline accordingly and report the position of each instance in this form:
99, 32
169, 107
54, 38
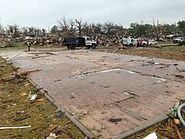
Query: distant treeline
77, 27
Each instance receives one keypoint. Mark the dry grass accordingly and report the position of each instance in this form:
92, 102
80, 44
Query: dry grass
166, 52
17, 110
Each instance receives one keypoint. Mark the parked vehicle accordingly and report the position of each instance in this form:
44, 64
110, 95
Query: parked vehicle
129, 41
145, 42
171, 36
178, 39
73, 42
152, 42
182, 42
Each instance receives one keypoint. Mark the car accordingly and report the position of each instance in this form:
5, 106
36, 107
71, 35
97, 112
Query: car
129, 41
152, 42
142, 42
178, 39
182, 42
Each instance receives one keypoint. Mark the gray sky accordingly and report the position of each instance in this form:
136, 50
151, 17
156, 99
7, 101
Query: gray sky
45, 13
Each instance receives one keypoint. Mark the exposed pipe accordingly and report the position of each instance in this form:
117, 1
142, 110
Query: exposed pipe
179, 113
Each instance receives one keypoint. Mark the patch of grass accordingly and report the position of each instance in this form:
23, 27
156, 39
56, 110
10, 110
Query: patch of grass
17, 110
5, 69
174, 48
16, 46
165, 52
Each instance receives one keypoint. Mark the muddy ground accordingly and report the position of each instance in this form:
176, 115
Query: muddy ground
17, 110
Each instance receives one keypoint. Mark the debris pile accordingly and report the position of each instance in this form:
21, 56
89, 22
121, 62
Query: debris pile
174, 127
171, 128
178, 112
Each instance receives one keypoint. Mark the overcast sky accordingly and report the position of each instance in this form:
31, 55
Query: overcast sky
45, 13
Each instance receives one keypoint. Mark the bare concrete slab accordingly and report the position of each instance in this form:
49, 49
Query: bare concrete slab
109, 94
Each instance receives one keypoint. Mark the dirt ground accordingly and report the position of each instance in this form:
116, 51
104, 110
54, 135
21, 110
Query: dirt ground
164, 52
17, 110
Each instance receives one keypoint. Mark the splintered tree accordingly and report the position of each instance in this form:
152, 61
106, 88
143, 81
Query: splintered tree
24, 31
35, 32
92, 29
80, 25
113, 30
158, 30
54, 29
13, 31
140, 30
67, 28
108, 29
97, 28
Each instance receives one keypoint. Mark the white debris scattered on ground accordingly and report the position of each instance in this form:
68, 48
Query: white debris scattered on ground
151, 136
52, 136
18, 127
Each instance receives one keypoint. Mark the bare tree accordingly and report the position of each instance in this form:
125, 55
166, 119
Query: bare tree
67, 28
72, 28
97, 29
80, 25
13, 31
24, 31
111, 29
158, 30
87, 31
54, 29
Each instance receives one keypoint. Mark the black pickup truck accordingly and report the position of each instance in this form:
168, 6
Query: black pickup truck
73, 42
